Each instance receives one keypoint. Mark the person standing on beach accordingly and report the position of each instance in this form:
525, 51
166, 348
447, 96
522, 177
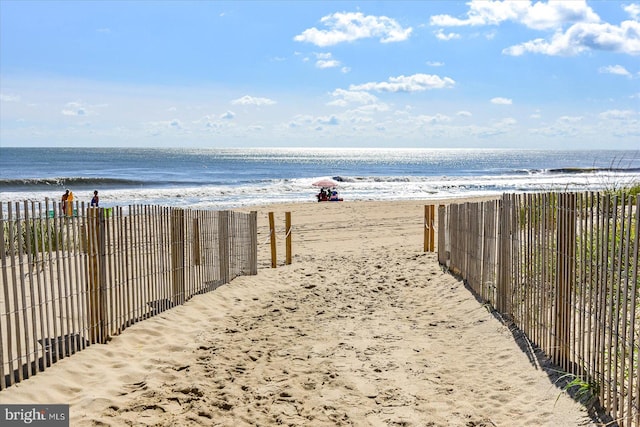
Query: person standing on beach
69, 203
65, 198
95, 200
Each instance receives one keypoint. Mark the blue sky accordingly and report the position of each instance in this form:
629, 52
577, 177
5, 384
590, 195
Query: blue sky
516, 74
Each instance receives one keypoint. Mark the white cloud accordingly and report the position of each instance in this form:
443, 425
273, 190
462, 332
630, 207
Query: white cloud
570, 119
302, 121
490, 35
414, 83
538, 15
435, 64
618, 114
371, 108
74, 109
350, 97
501, 101
156, 128
583, 37
544, 47
351, 26
251, 100
312, 122
633, 10
506, 122
440, 35
438, 118
332, 120
327, 63
228, 115
585, 31
542, 16
325, 60
615, 69
464, 113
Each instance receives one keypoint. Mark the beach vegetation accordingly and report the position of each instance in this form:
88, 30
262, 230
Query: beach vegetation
489, 307
32, 237
617, 185
631, 190
533, 214
43, 236
600, 250
581, 388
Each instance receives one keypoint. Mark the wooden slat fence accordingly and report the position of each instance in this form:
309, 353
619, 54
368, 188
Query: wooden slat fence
564, 268
71, 281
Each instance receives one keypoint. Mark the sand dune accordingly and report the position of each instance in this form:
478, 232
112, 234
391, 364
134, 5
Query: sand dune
363, 329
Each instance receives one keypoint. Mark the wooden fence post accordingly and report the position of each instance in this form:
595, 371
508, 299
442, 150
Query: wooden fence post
426, 229
177, 255
223, 245
453, 224
503, 280
287, 227
102, 266
566, 241
429, 228
634, 305
93, 274
97, 275
253, 235
272, 235
442, 233
489, 250
197, 250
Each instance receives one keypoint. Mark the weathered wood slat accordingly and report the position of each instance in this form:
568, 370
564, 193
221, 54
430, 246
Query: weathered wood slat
6, 338
18, 285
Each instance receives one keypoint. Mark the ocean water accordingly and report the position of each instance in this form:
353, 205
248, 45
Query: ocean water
231, 178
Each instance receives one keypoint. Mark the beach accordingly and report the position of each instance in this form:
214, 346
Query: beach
362, 329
